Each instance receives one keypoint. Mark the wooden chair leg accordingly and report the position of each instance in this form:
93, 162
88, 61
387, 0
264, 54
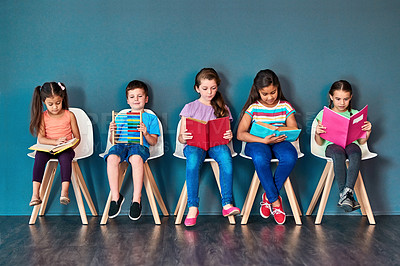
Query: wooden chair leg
47, 185
215, 169
319, 188
150, 196
362, 196
51, 166
78, 197
179, 201
122, 171
293, 201
251, 195
325, 195
83, 187
182, 205
157, 193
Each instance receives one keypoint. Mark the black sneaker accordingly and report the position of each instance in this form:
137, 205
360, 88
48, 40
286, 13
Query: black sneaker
115, 207
135, 211
346, 200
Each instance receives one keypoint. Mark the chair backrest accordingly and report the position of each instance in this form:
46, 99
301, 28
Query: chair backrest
294, 143
179, 146
319, 151
85, 147
155, 151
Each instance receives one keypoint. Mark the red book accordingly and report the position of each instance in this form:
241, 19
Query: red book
207, 134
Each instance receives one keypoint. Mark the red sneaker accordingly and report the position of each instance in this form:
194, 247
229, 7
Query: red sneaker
279, 214
265, 209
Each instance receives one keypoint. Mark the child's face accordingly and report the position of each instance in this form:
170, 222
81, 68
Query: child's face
340, 100
54, 104
137, 99
207, 89
269, 96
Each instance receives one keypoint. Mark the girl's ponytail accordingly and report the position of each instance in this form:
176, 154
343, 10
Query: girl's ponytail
218, 104
36, 112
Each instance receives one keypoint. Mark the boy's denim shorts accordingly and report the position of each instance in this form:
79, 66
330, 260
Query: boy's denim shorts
124, 151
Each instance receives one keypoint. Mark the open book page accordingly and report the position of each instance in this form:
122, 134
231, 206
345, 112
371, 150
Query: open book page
54, 149
342, 130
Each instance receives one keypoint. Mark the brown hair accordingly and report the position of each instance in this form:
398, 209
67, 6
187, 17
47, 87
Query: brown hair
341, 85
48, 89
217, 103
136, 84
264, 78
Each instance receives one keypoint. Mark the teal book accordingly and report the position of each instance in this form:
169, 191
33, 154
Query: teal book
262, 130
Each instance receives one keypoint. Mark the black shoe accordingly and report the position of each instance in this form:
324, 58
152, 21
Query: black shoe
346, 201
115, 207
135, 211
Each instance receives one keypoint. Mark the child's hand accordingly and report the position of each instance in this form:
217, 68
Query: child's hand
228, 135
113, 126
367, 126
320, 128
142, 128
186, 135
271, 139
61, 140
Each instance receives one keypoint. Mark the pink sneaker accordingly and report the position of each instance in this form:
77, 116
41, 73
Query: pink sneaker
265, 209
230, 211
279, 214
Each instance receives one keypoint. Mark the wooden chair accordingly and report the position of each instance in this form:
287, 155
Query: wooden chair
83, 150
255, 183
182, 202
148, 179
325, 183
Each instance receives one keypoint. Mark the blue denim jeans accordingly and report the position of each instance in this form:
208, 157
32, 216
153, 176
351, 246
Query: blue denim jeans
194, 159
345, 177
262, 154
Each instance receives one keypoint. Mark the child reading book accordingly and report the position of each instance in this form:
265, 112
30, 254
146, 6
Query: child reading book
340, 96
134, 153
267, 104
54, 126
209, 106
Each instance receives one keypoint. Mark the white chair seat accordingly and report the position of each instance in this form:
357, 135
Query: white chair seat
255, 183
182, 202
325, 182
83, 150
150, 185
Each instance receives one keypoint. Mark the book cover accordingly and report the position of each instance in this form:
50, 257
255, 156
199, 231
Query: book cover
341, 130
207, 134
261, 129
54, 149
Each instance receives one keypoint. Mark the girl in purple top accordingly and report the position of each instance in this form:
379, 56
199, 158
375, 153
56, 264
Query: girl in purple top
210, 105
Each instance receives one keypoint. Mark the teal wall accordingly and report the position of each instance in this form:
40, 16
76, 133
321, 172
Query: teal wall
97, 47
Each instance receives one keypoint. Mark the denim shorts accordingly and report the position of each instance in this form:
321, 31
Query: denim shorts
124, 151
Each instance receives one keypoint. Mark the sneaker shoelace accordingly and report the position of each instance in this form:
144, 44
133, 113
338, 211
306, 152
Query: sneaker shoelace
277, 211
266, 204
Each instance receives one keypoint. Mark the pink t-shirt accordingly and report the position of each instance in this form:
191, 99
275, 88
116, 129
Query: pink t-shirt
59, 127
198, 110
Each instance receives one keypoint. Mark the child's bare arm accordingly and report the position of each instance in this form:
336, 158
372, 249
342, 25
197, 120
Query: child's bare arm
318, 130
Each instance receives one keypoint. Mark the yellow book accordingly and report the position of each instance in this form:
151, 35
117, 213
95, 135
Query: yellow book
54, 149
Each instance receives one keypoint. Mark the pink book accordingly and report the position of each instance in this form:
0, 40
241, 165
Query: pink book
341, 130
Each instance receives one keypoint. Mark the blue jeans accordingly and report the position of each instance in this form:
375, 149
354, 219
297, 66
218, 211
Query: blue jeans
345, 177
194, 159
262, 154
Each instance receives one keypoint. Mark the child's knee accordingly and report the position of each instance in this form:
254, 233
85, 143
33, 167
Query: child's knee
135, 160
113, 160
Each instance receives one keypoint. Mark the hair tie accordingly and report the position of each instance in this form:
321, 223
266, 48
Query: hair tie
61, 86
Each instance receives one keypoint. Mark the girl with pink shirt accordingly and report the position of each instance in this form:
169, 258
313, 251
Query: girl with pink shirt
54, 126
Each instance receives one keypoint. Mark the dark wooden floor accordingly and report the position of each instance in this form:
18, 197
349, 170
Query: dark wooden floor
62, 240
